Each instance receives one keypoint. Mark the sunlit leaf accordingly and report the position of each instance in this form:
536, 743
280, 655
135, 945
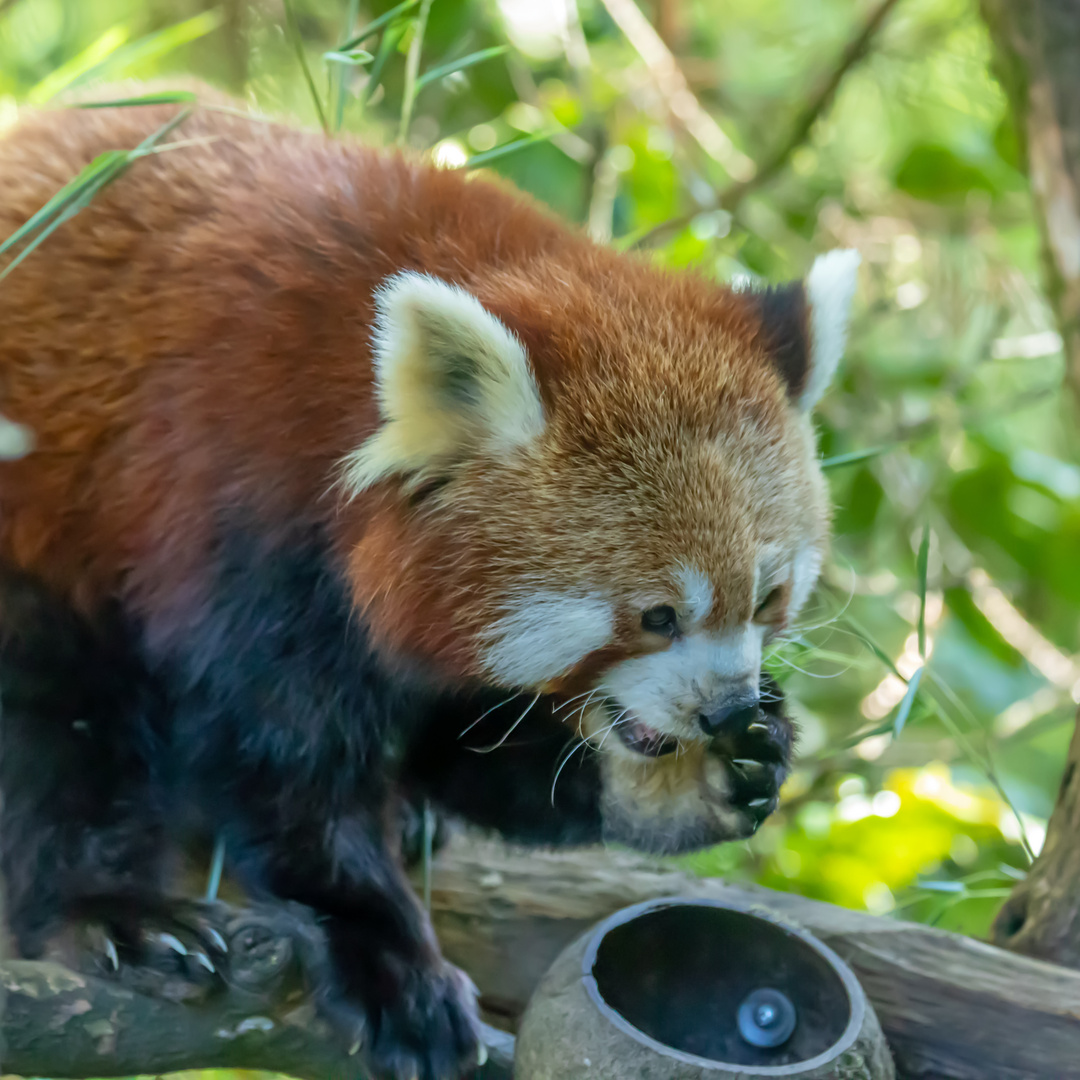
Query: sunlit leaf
172, 97
88, 60
153, 47
507, 148
921, 568
867, 639
937, 174
943, 886
903, 710
461, 64
298, 46
376, 25
854, 457
79, 193
356, 57
387, 48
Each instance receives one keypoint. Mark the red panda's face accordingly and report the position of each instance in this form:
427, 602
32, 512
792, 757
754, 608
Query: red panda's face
605, 491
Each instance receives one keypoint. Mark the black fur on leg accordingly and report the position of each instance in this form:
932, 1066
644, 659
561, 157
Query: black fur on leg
287, 733
81, 727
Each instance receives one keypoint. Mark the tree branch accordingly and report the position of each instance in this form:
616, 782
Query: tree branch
1042, 916
1037, 45
672, 84
800, 130
63, 1023
951, 1008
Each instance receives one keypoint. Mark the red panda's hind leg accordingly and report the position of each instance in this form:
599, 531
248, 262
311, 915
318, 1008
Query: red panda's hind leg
82, 812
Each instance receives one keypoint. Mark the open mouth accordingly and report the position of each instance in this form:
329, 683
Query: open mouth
641, 738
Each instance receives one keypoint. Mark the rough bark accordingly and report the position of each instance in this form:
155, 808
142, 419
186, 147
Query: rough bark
63, 1023
1037, 43
1042, 916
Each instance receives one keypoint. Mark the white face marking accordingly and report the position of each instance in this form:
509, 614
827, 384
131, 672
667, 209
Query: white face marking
696, 594
804, 577
667, 690
830, 286
543, 635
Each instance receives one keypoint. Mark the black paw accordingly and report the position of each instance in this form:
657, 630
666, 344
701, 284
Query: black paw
426, 1029
757, 752
168, 949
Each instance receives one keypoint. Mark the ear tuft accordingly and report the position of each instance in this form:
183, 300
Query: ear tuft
452, 381
830, 287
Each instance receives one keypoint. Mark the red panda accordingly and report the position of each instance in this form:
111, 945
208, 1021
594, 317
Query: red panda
345, 467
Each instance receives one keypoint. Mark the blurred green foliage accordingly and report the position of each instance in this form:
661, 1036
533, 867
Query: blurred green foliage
903, 800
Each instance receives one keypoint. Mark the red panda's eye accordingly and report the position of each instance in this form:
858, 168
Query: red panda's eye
660, 620
769, 607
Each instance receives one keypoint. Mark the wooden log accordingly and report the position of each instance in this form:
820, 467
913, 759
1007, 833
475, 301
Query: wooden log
952, 1008
57, 1022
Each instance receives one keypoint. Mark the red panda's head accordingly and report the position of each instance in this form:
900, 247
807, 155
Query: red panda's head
598, 479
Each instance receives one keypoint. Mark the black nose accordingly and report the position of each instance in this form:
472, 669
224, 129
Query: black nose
737, 713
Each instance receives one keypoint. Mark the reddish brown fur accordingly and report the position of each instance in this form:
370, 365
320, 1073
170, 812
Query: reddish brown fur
199, 337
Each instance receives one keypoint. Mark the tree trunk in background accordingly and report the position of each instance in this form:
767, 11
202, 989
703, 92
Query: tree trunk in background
1038, 61
1042, 917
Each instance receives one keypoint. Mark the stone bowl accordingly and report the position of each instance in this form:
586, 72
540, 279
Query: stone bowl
655, 993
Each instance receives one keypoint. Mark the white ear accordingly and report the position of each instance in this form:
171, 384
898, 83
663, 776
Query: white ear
830, 286
452, 383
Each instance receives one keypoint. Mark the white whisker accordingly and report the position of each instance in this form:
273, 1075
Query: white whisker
512, 728
562, 765
488, 712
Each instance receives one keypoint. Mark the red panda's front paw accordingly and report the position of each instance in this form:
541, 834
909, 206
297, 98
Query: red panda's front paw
758, 756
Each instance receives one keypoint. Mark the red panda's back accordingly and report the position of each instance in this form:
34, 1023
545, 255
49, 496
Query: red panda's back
201, 330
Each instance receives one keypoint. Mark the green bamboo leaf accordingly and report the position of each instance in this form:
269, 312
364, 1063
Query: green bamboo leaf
376, 25
921, 564
867, 639
79, 192
357, 57
298, 47
170, 97
154, 46
904, 709
88, 60
72, 198
854, 457
508, 148
339, 89
943, 886
459, 65
387, 48
412, 70
62, 199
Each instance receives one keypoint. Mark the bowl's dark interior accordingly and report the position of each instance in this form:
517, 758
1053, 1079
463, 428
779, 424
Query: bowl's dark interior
679, 973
